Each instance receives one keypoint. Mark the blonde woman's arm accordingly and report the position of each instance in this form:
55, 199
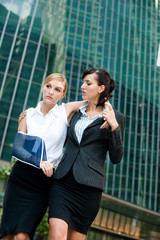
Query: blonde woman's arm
72, 107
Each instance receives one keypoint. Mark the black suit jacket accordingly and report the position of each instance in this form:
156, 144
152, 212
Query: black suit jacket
88, 157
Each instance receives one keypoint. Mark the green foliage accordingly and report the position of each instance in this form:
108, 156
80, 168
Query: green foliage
6, 170
1, 212
43, 228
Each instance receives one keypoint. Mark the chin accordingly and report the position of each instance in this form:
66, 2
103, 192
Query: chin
84, 97
49, 102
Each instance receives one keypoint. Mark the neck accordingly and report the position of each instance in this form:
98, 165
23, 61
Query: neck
93, 111
92, 107
45, 108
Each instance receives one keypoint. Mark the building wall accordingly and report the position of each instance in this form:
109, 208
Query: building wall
39, 37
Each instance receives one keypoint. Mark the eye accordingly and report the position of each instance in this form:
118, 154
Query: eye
58, 90
47, 85
88, 83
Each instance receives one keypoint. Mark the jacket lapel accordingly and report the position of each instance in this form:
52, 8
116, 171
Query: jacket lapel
95, 122
73, 123
98, 121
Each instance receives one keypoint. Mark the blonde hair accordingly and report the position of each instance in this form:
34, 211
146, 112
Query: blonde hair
59, 77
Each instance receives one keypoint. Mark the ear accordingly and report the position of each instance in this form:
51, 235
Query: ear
101, 88
42, 88
63, 95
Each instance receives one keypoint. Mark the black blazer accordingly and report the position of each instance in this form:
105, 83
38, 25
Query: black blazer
88, 157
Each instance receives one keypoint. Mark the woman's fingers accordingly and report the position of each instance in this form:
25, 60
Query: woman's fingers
108, 106
105, 125
22, 115
109, 116
47, 168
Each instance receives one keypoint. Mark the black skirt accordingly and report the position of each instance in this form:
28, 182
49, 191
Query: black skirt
74, 203
25, 200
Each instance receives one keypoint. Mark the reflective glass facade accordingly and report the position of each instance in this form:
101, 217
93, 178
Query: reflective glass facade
118, 219
39, 37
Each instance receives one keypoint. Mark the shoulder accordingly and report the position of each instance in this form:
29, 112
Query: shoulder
30, 111
60, 112
60, 109
119, 116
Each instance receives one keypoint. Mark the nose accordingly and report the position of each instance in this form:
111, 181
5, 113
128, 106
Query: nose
51, 91
82, 86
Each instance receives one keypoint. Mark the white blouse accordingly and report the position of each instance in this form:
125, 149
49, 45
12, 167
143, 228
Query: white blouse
52, 128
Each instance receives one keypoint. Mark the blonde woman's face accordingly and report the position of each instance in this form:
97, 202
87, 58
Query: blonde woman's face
53, 91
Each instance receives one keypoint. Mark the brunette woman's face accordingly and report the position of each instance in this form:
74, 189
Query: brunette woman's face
53, 91
90, 89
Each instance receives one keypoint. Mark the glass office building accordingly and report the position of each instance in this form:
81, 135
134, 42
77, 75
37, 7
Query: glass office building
38, 37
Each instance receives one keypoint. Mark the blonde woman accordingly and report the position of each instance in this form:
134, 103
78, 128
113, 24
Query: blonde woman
26, 196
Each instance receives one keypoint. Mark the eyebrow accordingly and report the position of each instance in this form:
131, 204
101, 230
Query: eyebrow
86, 80
54, 86
59, 87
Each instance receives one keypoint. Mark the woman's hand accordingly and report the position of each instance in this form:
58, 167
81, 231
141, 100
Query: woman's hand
47, 168
22, 115
109, 117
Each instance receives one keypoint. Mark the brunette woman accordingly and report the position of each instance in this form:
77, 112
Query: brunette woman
94, 130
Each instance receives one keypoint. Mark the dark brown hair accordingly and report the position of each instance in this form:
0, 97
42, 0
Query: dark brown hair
103, 78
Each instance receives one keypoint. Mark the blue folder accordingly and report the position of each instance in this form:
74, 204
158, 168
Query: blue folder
29, 149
